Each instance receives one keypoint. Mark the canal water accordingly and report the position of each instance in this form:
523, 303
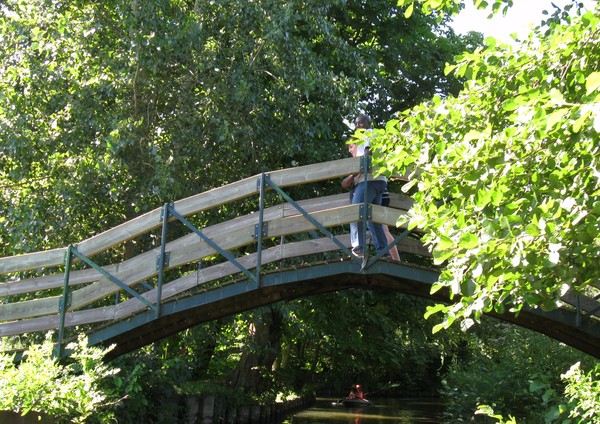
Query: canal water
382, 411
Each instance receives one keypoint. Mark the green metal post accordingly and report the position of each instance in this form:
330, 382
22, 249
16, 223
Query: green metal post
365, 215
63, 304
161, 259
259, 228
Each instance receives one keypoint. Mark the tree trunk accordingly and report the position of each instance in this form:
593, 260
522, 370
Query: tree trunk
261, 350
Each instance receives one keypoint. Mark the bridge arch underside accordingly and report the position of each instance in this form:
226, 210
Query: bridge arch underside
204, 306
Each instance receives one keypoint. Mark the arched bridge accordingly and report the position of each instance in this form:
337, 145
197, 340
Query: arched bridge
192, 272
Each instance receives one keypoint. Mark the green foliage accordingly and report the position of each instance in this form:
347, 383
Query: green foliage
506, 173
109, 109
509, 372
149, 382
581, 399
582, 394
489, 412
372, 338
452, 6
74, 391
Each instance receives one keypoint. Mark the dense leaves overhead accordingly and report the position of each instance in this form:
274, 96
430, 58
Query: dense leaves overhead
109, 109
507, 172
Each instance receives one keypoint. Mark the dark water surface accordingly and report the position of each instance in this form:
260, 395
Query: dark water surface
327, 411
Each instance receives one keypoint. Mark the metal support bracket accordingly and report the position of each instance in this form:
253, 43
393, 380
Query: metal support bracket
260, 179
264, 232
365, 212
64, 303
162, 261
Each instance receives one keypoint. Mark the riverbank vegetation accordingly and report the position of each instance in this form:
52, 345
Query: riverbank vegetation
109, 109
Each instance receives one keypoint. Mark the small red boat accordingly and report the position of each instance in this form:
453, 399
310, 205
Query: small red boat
356, 398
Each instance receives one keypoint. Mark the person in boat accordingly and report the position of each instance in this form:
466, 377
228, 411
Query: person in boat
359, 393
352, 394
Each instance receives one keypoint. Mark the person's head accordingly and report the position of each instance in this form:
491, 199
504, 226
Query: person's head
362, 121
352, 149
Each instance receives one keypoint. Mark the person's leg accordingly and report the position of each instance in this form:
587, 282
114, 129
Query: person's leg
390, 238
356, 228
376, 189
353, 227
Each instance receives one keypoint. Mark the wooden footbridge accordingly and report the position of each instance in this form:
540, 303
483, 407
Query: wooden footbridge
285, 249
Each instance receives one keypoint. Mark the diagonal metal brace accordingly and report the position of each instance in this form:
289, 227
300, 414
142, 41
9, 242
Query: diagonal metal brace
310, 219
112, 278
211, 243
379, 255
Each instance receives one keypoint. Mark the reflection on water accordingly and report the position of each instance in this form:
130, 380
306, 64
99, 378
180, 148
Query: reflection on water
327, 411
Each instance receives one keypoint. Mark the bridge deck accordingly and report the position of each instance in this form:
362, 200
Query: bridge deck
138, 300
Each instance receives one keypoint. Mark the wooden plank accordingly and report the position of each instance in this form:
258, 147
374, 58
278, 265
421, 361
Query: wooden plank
131, 306
410, 245
91, 275
129, 272
285, 251
387, 216
315, 172
401, 201
48, 282
34, 260
320, 203
144, 266
121, 233
36, 284
49, 305
215, 272
188, 206
31, 325
29, 308
47, 323
327, 218
217, 196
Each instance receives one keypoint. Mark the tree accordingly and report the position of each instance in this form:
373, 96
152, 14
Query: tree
112, 108
506, 173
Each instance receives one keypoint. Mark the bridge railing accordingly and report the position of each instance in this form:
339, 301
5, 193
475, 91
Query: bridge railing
60, 297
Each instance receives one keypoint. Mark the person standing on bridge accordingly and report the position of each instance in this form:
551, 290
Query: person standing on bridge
374, 188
